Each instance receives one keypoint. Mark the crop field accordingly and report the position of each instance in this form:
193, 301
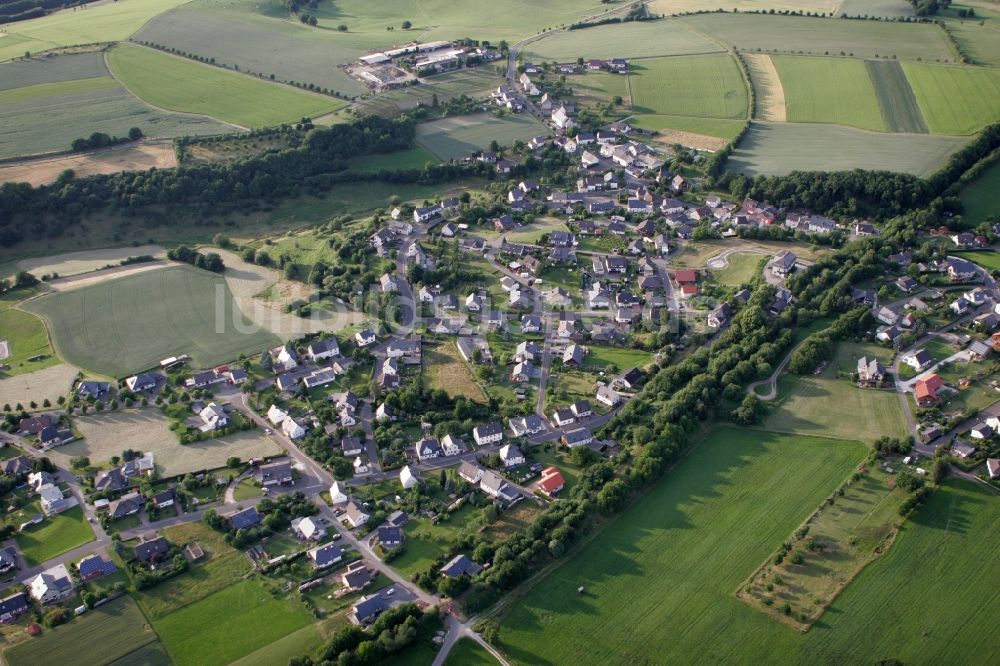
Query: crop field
447, 371
677, 6
895, 97
48, 116
832, 406
460, 136
36, 385
228, 625
179, 84
660, 579
779, 148
129, 157
888, 8
829, 90
106, 22
981, 42
769, 94
956, 100
600, 88
981, 197
56, 535
74, 263
182, 310
695, 86
101, 636
147, 430
644, 39
819, 36
706, 133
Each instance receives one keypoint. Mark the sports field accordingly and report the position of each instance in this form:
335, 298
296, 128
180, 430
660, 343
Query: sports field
100, 636
459, 136
779, 148
73, 97
981, 198
895, 97
956, 100
128, 324
624, 40
819, 36
695, 86
179, 84
829, 90
660, 580
228, 624
830, 406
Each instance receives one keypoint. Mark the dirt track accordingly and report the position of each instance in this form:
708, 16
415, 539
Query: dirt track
131, 157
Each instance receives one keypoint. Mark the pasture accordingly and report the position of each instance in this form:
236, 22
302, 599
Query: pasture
829, 90
600, 357
830, 405
147, 430
660, 579
981, 42
895, 97
101, 636
178, 84
413, 158
48, 116
780, 148
955, 100
228, 625
818, 36
459, 136
124, 325
54, 536
676, 6
887, 8
299, 642
447, 370
981, 197
642, 39
695, 86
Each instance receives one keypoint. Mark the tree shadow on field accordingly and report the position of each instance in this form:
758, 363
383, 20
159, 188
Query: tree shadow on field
948, 509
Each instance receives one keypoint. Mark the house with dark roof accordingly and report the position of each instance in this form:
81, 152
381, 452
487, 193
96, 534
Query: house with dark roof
17, 467
111, 480
578, 437
389, 536
152, 551
13, 607
325, 556
276, 473
94, 566
244, 519
460, 565
365, 610
488, 433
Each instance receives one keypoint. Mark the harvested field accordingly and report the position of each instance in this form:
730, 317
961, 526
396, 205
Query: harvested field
459, 136
447, 371
74, 263
779, 148
37, 386
888, 8
705, 133
678, 6
125, 325
768, 92
829, 90
956, 100
147, 430
696, 86
99, 276
895, 97
131, 157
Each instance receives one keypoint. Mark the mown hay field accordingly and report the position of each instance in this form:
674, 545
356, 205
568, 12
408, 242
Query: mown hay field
956, 100
695, 86
900, 110
179, 84
128, 324
829, 90
780, 148
459, 136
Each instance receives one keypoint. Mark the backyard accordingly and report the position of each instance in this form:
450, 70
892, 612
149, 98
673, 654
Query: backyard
56, 535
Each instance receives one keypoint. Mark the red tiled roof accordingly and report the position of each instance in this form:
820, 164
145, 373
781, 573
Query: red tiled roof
552, 480
683, 277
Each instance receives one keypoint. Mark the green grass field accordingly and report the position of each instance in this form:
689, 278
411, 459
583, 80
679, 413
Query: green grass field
600, 356
56, 535
26, 338
896, 100
830, 406
150, 654
742, 268
979, 38
425, 542
818, 36
128, 324
46, 103
660, 580
179, 84
981, 197
955, 100
717, 127
298, 643
112, 631
988, 260
625, 40
229, 624
780, 148
467, 652
459, 136
695, 86
414, 158
829, 90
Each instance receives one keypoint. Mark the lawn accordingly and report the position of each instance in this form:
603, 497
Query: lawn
832, 406
48, 102
829, 90
103, 436
780, 148
447, 370
223, 566
532, 233
955, 100
599, 357
56, 535
229, 624
425, 541
128, 324
819, 36
742, 269
178, 84
459, 136
625, 40
556, 456
694, 86
467, 652
660, 579
981, 198
104, 634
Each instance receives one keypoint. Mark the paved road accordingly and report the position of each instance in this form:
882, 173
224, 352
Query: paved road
543, 376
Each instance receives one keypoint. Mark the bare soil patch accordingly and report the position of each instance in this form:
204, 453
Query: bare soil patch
138, 157
767, 87
74, 263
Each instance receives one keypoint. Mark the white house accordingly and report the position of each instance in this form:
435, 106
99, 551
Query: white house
365, 337
511, 455
360, 466
276, 416
407, 478
51, 585
292, 428
451, 446
488, 433
607, 396
308, 529
337, 494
